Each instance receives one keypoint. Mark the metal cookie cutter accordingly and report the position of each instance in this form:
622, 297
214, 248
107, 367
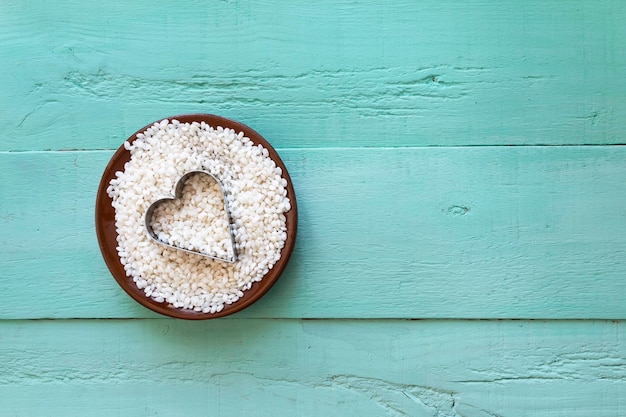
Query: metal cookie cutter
178, 190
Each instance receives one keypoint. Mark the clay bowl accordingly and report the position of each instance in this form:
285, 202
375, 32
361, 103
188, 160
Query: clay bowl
107, 233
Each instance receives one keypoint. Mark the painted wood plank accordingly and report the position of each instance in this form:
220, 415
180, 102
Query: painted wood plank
313, 367
476, 232
85, 75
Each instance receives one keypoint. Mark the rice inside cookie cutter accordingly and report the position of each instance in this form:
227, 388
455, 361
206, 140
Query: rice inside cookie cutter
178, 191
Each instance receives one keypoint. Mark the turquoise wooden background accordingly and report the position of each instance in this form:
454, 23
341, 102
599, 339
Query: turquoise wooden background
462, 198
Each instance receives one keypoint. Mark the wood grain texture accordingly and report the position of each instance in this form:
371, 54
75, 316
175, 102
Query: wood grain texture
389, 368
474, 232
84, 75
396, 121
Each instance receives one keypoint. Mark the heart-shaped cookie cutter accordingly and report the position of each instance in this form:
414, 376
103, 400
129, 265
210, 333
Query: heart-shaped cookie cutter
178, 191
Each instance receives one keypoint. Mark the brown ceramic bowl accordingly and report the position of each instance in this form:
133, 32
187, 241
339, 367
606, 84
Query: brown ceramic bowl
107, 232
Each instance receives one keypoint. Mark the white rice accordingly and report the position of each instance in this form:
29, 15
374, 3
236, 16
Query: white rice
257, 201
197, 220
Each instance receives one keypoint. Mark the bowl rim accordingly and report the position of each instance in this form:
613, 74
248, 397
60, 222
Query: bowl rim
106, 231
